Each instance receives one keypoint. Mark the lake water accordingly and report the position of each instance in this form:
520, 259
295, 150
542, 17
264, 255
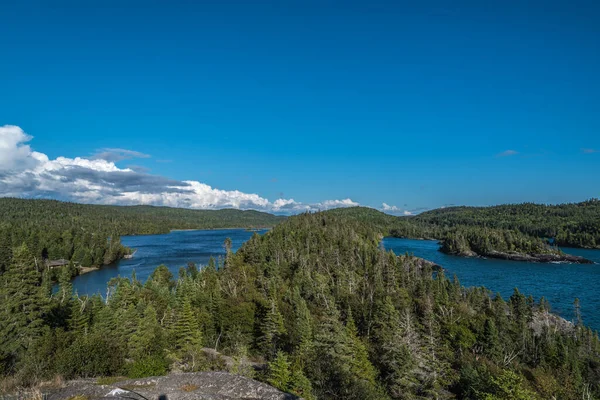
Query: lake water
559, 283
173, 249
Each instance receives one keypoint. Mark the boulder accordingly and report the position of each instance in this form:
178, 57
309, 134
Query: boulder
179, 386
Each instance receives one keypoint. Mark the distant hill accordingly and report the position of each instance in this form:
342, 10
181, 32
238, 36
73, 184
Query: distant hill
89, 234
573, 224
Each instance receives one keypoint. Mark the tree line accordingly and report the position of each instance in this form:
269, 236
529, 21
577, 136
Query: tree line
318, 301
483, 241
569, 225
89, 235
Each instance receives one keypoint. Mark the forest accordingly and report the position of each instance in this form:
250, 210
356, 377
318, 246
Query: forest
485, 241
315, 307
89, 235
569, 225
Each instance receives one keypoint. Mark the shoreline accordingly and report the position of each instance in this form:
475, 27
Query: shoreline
526, 257
86, 270
219, 229
199, 229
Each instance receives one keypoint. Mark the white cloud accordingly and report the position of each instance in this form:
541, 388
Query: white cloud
589, 151
386, 207
406, 212
27, 173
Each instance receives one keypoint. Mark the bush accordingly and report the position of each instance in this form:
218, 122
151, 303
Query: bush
89, 356
149, 366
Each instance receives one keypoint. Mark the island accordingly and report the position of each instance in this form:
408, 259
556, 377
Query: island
504, 244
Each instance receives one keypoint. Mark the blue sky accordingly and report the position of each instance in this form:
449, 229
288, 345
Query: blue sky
417, 106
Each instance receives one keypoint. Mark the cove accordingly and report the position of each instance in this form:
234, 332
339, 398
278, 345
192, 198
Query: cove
559, 283
174, 249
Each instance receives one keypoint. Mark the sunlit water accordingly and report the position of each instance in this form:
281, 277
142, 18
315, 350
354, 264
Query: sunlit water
559, 283
174, 250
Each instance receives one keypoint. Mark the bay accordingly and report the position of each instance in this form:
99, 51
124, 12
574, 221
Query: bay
174, 249
560, 284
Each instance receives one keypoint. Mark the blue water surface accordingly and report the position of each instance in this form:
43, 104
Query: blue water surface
559, 283
173, 249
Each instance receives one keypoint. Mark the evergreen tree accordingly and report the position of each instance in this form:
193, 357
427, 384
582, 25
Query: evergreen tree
272, 329
22, 305
147, 339
279, 372
78, 323
187, 329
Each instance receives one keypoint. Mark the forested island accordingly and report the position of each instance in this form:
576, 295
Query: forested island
83, 235
315, 307
504, 244
89, 235
568, 225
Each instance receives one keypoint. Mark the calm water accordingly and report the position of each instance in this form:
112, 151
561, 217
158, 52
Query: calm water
559, 283
174, 249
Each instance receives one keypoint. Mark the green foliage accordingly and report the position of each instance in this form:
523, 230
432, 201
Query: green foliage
507, 386
187, 330
89, 356
153, 365
23, 306
485, 241
571, 225
89, 235
279, 372
332, 313
147, 340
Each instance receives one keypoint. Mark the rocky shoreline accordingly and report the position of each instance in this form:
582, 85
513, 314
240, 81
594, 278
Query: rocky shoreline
542, 258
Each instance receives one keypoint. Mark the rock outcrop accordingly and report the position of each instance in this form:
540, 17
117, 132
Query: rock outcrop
181, 386
514, 256
558, 258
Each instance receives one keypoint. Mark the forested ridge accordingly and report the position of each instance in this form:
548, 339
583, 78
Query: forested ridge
90, 234
570, 225
331, 313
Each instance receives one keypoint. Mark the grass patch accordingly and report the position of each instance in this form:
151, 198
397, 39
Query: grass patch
78, 397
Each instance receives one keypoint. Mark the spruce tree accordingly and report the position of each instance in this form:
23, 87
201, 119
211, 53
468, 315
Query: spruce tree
272, 329
78, 322
279, 374
22, 304
147, 339
187, 330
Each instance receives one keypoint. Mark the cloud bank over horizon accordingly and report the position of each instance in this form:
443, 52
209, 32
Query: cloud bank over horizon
98, 180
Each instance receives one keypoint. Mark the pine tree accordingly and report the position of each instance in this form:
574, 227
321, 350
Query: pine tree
299, 384
359, 363
5, 250
279, 374
65, 286
334, 361
187, 330
272, 330
147, 339
78, 322
394, 340
490, 338
22, 304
